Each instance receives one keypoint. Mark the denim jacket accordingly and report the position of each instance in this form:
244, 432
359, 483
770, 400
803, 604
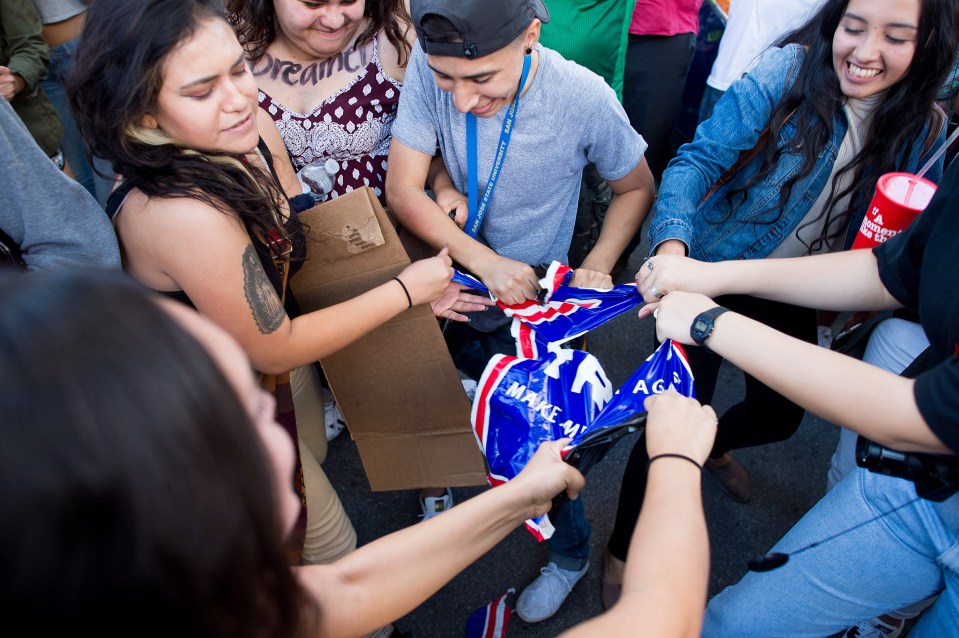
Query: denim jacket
737, 122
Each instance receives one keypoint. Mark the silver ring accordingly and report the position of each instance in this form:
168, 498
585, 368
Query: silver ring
656, 314
650, 264
652, 291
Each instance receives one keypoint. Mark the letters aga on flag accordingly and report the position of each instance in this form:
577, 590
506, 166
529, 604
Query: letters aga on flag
522, 402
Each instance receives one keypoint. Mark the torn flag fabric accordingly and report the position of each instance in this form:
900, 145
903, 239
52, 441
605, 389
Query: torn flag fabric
522, 402
492, 620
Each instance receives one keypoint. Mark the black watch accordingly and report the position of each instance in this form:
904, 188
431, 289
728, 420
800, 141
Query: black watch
703, 325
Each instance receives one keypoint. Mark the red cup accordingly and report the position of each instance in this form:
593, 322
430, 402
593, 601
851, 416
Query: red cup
899, 199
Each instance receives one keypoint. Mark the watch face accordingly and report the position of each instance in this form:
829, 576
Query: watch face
702, 325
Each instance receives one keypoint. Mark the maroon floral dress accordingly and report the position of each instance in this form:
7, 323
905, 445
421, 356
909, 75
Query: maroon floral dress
352, 126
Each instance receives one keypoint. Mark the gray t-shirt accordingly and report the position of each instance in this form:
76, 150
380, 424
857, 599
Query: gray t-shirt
53, 11
54, 220
568, 117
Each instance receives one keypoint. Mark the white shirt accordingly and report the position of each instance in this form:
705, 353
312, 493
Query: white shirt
752, 27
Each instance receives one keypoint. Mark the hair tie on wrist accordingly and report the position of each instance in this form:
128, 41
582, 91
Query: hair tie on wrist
409, 300
673, 456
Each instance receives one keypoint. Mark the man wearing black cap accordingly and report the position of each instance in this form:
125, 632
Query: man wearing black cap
515, 124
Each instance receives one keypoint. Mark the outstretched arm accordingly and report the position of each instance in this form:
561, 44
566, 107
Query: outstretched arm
861, 397
837, 281
167, 246
664, 586
632, 198
384, 580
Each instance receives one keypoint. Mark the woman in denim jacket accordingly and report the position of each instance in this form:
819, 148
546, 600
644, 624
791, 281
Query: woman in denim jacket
795, 147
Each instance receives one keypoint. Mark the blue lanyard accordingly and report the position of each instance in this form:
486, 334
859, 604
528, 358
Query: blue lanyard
477, 210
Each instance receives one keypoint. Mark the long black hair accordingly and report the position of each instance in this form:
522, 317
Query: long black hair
115, 82
136, 495
906, 114
256, 25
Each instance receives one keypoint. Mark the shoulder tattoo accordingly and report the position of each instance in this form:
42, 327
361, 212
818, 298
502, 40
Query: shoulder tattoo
267, 310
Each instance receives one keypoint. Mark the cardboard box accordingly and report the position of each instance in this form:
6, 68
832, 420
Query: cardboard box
397, 386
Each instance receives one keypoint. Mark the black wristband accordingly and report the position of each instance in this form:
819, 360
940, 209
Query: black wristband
409, 300
673, 456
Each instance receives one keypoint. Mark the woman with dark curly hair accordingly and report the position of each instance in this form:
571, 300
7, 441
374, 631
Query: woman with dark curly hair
330, 74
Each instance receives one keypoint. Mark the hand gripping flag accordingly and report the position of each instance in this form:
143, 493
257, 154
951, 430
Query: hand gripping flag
562, 312
523, 402
565, 312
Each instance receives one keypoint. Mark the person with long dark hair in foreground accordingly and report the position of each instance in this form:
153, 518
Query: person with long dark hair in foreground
146, 487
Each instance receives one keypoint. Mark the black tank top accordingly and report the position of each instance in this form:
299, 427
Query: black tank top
293, 228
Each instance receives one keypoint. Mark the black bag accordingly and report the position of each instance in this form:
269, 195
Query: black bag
853, 341
10, 254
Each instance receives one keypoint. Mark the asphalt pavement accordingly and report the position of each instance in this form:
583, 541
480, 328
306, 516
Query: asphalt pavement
788, 478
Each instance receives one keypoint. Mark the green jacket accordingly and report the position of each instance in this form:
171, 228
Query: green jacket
24, 52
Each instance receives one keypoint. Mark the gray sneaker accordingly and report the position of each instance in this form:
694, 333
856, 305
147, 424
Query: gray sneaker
332, 415
544, 596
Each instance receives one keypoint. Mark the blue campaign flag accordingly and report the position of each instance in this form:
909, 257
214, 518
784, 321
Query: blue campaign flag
565, 312
665, 369
565, 394
469, 281
561, 312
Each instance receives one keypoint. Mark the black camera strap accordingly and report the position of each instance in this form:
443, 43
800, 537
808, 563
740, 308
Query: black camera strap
933, 488
926, 360
935, 476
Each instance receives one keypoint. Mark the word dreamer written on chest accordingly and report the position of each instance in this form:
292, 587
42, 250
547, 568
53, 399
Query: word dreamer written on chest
293, 74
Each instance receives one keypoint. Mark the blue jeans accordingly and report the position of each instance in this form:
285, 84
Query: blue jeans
73, 146
892, 346
569, 545
904, 557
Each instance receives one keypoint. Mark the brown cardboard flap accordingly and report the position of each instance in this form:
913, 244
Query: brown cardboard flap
429, 457
345, 238
397, 386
